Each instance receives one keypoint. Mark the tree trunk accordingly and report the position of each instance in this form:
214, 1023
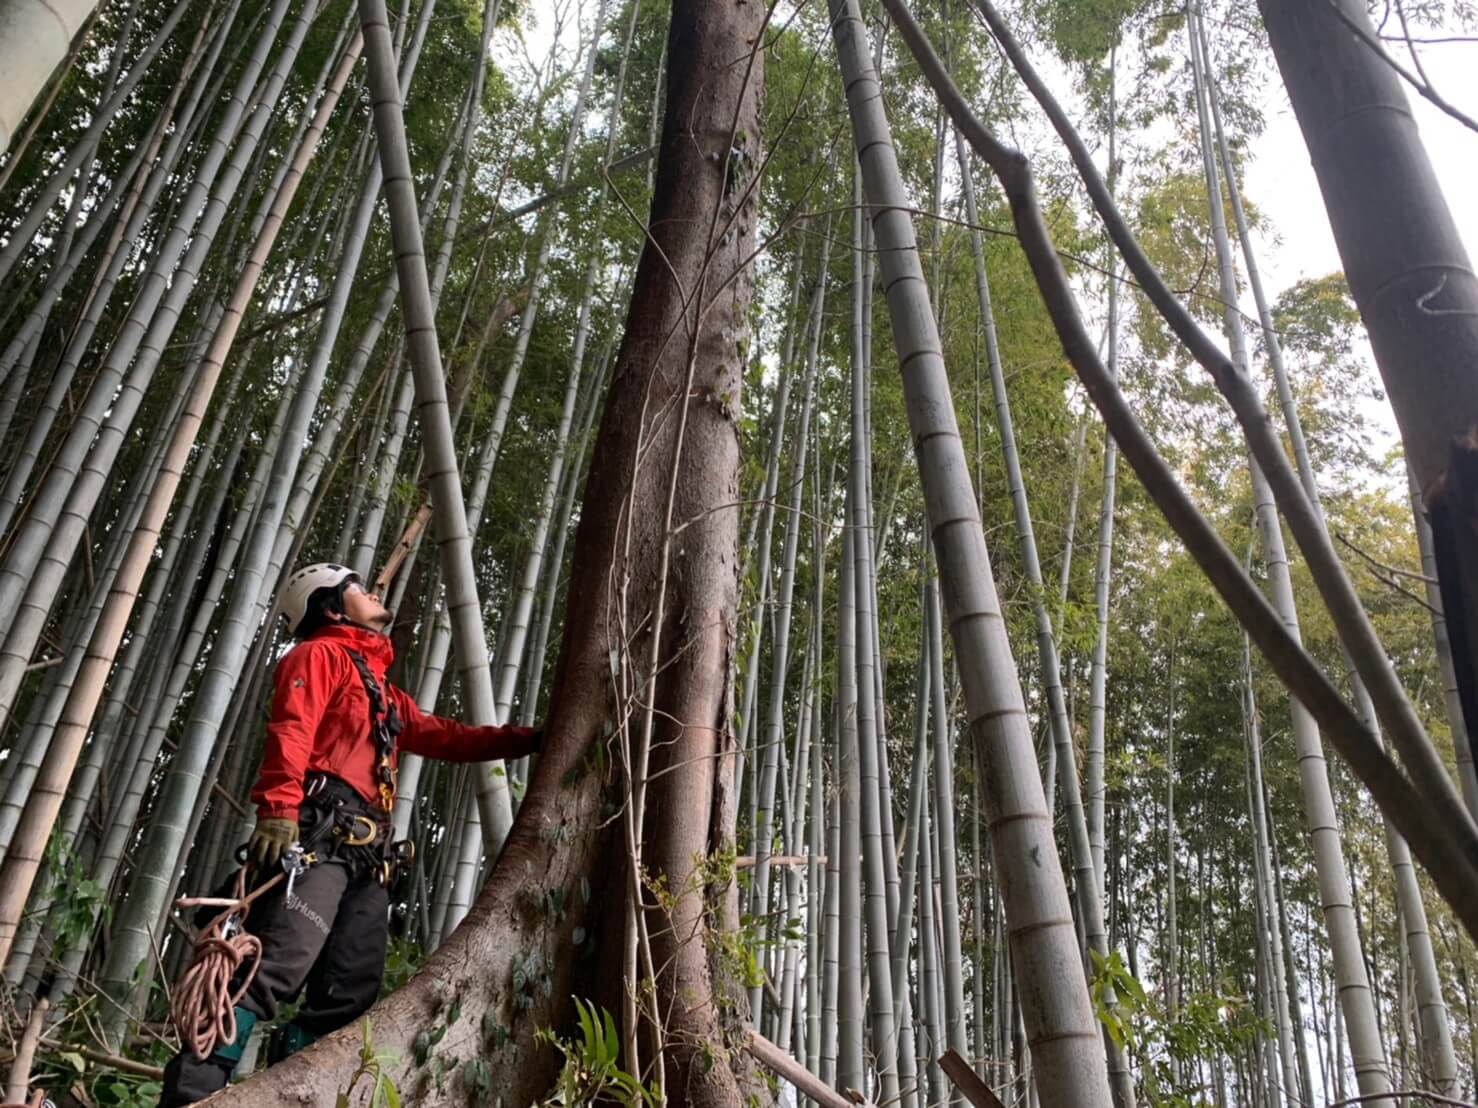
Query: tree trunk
1462, 746
674, 403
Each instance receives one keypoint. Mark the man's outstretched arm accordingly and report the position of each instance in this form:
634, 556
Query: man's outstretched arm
450, 741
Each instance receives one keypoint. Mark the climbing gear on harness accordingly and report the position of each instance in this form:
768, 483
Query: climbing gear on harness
204, 1006
303, 584
353, 837
384, 729
362, 836
296, 861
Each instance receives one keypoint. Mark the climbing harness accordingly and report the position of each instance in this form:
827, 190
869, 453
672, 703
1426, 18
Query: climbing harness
384, 729
295, 863
361, 834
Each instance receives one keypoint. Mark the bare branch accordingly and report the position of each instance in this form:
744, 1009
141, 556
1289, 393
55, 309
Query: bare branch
1422, 577
1422, 86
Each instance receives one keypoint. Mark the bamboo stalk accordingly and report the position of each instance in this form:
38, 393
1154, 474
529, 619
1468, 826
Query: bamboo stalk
408, 538
1060, 1026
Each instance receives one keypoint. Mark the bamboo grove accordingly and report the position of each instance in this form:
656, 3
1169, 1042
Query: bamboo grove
910, 541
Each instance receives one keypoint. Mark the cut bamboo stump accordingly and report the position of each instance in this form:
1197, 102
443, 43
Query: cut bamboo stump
402, 550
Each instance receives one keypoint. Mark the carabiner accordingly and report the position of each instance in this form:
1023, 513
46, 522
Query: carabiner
353, 839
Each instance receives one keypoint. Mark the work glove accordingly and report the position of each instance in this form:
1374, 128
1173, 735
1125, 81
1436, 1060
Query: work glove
530, 741
269, 840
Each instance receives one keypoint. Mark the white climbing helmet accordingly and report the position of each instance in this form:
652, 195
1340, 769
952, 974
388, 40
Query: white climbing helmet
303, 584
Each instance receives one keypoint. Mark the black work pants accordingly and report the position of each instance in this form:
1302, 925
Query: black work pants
329, 936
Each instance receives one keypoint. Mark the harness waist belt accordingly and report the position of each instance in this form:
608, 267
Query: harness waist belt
362, 832
324, 790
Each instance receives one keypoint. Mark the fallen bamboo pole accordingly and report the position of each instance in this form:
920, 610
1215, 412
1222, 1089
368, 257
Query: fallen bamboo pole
781, 1064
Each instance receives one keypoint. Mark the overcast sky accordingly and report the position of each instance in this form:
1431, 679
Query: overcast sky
1295, 241
1280, 180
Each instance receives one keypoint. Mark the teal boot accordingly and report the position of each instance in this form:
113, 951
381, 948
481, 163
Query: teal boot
232, 1051
187, 1079
287, 1040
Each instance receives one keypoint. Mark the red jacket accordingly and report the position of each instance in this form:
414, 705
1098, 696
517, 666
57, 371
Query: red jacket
321, 722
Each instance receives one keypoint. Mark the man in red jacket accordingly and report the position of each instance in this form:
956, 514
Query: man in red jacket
324, 797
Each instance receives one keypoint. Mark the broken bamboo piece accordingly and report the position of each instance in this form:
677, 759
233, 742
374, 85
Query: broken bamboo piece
976, 1091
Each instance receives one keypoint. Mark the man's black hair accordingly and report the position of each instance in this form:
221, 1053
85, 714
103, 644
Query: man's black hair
323, 604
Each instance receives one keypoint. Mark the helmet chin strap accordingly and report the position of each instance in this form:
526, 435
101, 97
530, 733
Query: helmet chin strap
345, 621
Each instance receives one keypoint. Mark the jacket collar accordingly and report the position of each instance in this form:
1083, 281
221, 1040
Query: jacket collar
375, 648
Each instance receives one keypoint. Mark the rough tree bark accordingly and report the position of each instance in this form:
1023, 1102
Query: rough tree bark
669, 452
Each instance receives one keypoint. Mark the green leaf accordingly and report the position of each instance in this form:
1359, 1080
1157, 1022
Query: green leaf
585, 1030
613, 1041
1134, 988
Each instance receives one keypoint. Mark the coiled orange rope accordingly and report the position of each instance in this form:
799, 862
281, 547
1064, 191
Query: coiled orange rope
203, 1008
